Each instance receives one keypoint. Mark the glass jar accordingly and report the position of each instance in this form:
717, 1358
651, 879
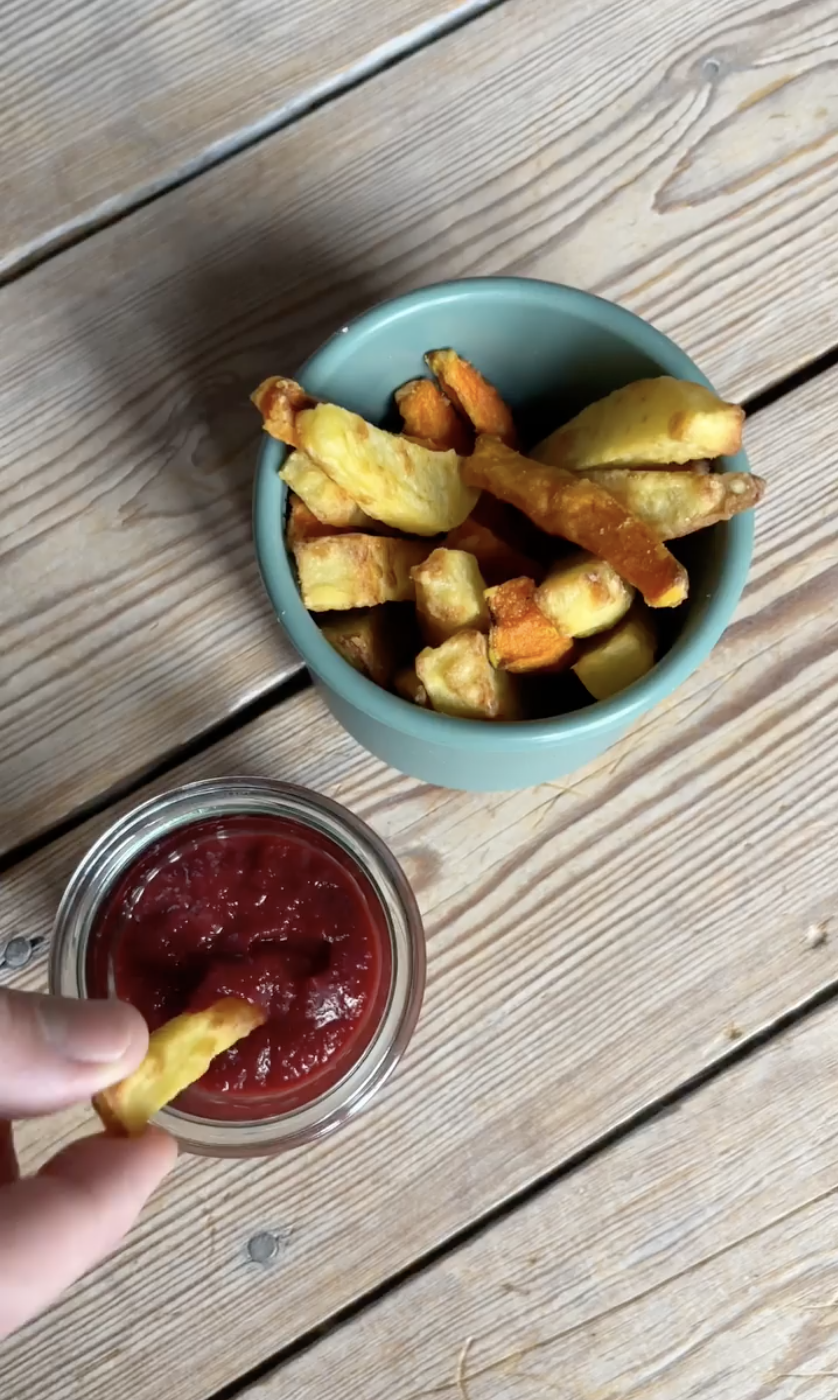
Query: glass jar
120, 847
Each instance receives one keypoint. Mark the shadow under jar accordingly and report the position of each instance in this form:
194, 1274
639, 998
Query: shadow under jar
247, 887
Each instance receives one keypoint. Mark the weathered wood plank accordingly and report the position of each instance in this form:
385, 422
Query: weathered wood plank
587, 144
696, 1258
591, 946
108, 104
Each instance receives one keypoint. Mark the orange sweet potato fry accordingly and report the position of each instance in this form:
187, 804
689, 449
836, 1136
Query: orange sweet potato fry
431, 419
473, 395
521, 638
561, 503
279, 401
178, 1054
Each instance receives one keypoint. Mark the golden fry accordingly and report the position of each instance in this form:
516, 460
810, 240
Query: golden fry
473, 395
498, 560
564, 504
521, 637
356, 571
677, 503
653, 420
279, 401
393, 479
583, 595
618, 658
449, 595
408, 685
328, 502
302, 525
363, 638
460, 680
178, 1054
430, 418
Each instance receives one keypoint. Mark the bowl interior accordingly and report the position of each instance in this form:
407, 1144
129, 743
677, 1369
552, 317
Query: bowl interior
550, 350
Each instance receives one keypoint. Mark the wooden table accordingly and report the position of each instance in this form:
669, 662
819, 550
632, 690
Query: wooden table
607, 1169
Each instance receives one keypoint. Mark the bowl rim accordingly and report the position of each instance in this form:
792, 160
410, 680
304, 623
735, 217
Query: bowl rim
685, 655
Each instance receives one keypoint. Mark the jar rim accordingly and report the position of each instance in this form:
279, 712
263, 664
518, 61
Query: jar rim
131, 834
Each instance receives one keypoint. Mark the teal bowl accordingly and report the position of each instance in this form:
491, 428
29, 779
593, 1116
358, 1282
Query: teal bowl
550, 350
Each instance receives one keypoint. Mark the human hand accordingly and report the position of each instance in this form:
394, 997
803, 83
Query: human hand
57, 1224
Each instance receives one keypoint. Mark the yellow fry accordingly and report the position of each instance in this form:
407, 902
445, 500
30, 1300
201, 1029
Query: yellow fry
678, 503
583, 595
653, 420
616, 659
178, 1054
356, 571
460, 680
449, 595
330, 503
363, 638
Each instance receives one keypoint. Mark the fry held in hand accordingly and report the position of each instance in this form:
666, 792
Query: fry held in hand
562, 503
431, 419
652, 420
449, 595
521, 638
618, 658
678, 503
473, 395
178, 1054
356, 571
583, 595
460, 680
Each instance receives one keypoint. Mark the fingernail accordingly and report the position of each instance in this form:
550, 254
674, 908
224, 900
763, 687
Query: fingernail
89, 1032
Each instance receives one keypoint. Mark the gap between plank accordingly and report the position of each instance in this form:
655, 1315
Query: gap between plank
635, 1122
112, 211
270, 699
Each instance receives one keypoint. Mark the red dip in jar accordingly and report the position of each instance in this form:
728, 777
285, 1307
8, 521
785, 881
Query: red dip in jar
261, 908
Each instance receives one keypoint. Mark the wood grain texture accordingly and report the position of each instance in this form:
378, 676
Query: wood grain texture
131, 613
591, 945
694, 1259
103, 105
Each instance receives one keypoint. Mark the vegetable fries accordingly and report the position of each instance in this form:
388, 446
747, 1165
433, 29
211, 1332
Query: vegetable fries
393, 479
618, 658
326, 500
459, 679
356, 571
178, 1053
583, 595
677, 503
449, 595
500, 598
564, 504
431, 419
477, 399
521, 638
653, 420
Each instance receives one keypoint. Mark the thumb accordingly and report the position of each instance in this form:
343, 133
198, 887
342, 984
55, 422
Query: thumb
55, 1051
